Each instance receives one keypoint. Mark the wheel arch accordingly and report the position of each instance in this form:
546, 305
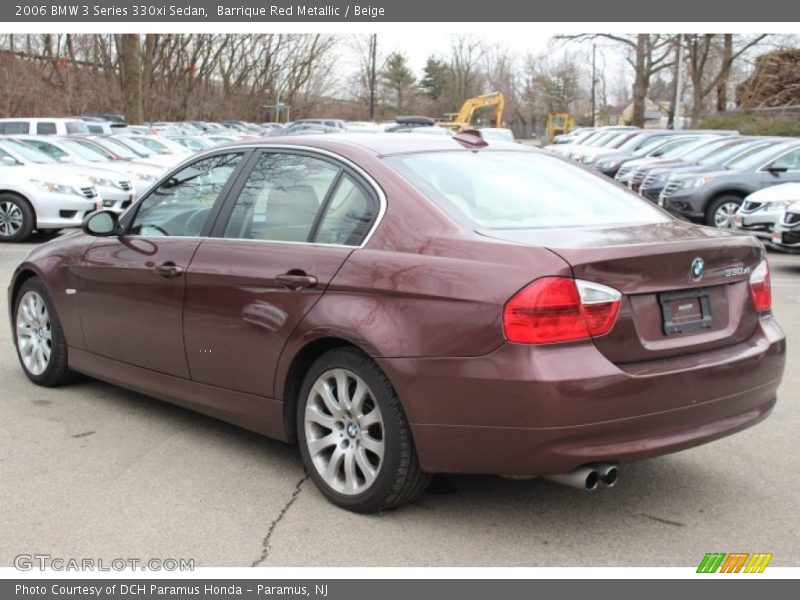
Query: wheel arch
288, 386
21, 275
740, 193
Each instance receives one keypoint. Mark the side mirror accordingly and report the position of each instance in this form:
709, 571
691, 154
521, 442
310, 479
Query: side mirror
103, 223
775, 169
8, 161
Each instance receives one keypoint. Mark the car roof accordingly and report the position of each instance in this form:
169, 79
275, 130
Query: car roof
380, 144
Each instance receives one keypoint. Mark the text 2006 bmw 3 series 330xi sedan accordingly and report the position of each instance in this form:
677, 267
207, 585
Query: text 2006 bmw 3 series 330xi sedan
406, 305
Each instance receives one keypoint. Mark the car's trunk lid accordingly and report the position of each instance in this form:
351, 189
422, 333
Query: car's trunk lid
665, 311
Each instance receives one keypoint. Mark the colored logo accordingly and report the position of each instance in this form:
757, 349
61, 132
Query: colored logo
698, 268
735, 562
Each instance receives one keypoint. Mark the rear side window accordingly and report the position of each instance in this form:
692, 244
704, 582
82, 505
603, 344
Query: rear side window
348, 215
14, 127
521, 190
46, 128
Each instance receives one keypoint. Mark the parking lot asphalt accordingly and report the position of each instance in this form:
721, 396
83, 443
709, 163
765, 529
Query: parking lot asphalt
95, 471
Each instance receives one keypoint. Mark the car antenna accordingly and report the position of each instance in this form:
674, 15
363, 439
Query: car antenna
471, 138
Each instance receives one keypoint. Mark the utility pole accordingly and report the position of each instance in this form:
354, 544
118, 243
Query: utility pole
373, 59
594, 82
679, 85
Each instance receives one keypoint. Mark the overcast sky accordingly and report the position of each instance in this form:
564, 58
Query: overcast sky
419, 48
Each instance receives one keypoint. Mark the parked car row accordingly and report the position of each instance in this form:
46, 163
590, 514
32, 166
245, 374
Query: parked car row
51, 182
717, 178
96, 160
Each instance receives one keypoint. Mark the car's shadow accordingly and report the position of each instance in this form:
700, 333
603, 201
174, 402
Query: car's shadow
653, 482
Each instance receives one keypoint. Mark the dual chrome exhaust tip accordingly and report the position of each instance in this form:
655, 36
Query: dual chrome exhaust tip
589, 477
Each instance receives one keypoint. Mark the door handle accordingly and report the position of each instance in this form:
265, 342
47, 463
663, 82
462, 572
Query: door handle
296, 281
168, 269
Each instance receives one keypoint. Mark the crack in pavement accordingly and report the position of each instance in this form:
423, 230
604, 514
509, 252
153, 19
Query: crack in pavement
661, 520
265, 545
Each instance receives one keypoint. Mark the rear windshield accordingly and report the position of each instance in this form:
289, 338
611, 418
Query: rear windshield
521, 190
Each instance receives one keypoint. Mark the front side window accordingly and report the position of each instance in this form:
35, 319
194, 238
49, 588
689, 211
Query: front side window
181, 205
281, 198
14, 128
789, 161
7, 160
755, 158
27, 152
521, 190
52, 151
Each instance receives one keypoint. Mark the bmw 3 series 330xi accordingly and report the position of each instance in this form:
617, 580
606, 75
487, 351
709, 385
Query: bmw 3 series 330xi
402, 305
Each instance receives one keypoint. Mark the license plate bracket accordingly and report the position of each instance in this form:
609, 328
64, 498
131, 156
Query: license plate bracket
695, 306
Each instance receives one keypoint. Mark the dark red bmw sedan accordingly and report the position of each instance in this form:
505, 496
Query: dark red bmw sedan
405, 305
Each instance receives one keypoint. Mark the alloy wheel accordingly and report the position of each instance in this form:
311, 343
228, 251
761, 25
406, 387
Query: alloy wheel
723, 217
344, 431
34, 333
11, 219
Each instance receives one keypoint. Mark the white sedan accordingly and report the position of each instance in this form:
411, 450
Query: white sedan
33, 198
761, 211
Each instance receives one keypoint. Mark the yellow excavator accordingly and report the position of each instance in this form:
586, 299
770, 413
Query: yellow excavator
558, 123
481, 111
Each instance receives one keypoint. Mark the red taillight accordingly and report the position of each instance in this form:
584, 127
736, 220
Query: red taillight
760, 287
560, 309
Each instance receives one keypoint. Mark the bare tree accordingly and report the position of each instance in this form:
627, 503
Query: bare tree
710, 58
647, 54
130, 61
466, 55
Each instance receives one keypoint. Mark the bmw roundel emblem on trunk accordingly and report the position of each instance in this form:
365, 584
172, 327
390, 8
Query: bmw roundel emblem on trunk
698, 268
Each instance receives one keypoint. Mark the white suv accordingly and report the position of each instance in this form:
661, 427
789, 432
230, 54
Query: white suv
42, 126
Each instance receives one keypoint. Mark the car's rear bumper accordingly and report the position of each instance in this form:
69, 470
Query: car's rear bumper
527, 410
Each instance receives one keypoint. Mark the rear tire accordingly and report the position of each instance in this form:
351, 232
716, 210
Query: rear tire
720, 212
354, 437
38, 336
17, 218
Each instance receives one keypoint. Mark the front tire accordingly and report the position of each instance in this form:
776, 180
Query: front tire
17, 218
38, 336
354, 437
720, 212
